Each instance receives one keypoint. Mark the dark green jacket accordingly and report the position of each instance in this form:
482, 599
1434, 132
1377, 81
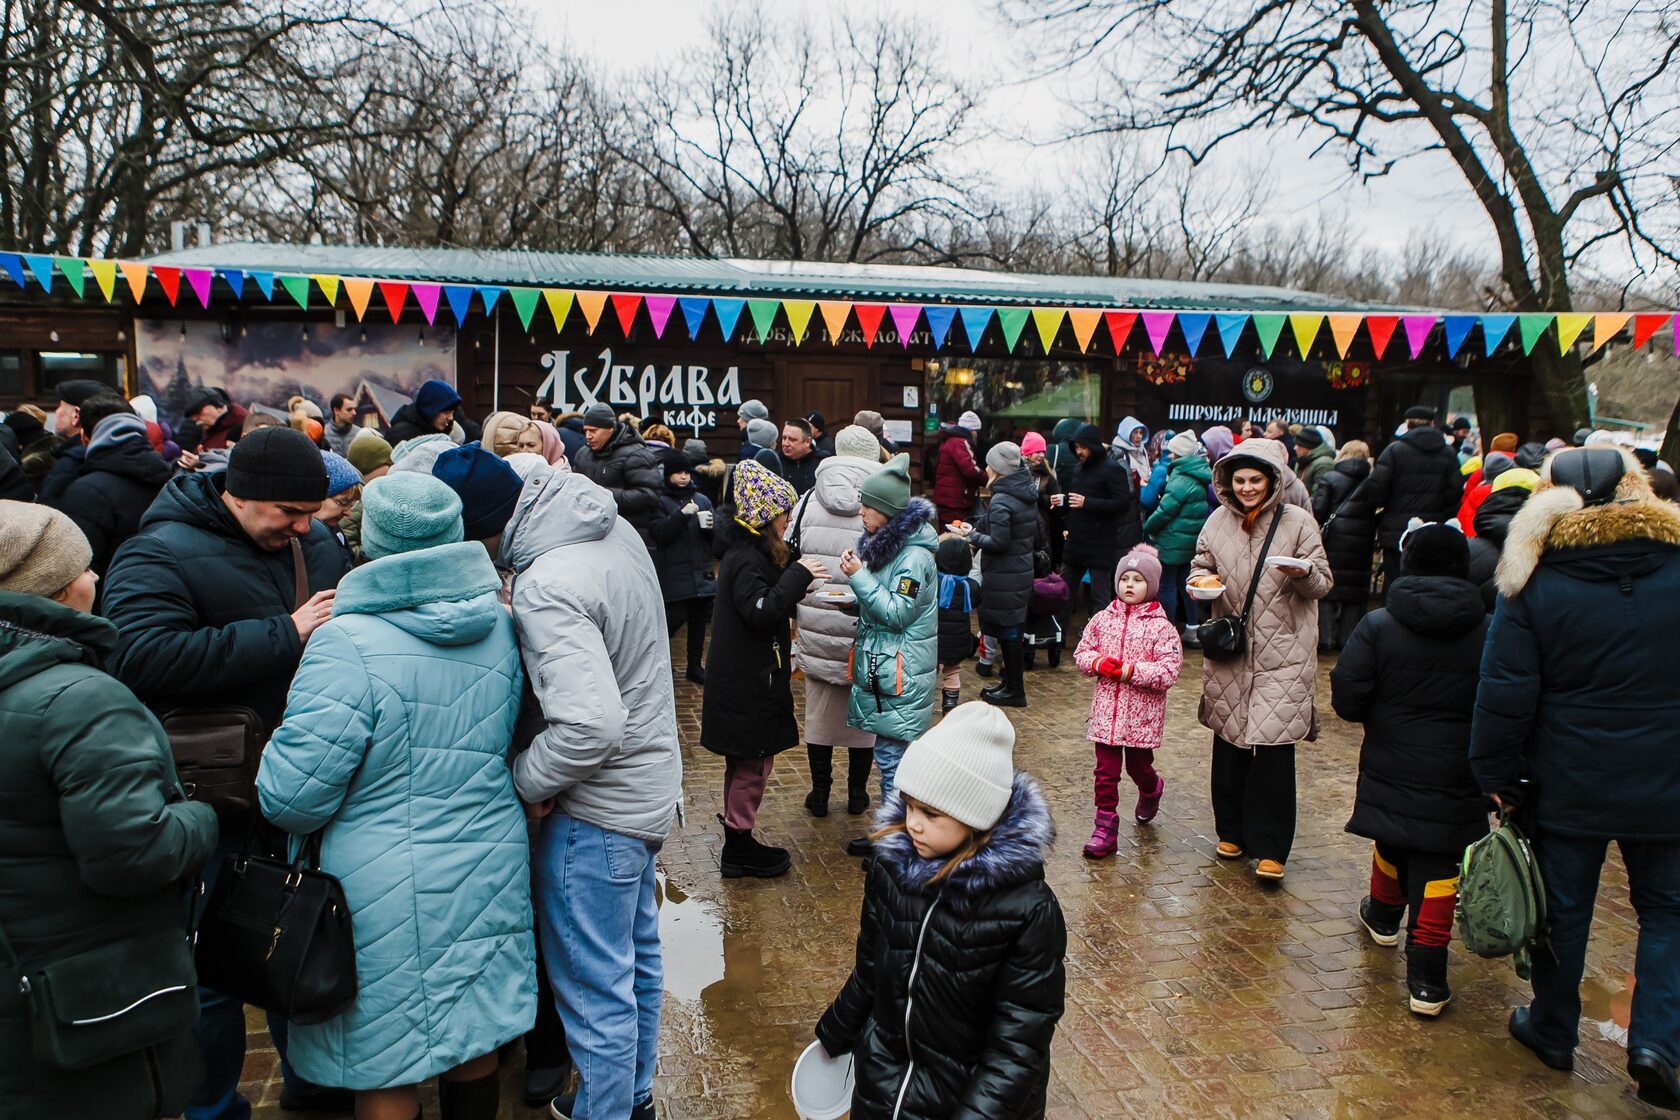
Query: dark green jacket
1178, 517
97, 842
1318, 464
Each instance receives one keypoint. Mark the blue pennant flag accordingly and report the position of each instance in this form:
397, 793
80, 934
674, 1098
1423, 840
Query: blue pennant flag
974, 320
490, 294
235, 279
264, 282
1230, 330
13, 264
1494, 330
1194, 327
728, 314
939, 322
42, 267
460, 301
1457, 329
694, 313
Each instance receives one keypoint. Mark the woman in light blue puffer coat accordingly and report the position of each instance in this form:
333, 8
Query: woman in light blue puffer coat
394, 747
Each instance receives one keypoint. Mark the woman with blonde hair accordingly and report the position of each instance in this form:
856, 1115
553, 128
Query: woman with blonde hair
508, 433
1348, 523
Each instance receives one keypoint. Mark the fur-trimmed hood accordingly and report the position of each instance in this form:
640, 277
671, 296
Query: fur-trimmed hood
1556, 518
1015, 853
911, 525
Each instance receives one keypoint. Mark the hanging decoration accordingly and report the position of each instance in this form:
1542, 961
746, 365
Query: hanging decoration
1347, 375
1165, 369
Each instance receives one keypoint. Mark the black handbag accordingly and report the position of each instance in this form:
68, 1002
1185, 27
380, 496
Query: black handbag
1226, 638
277, 935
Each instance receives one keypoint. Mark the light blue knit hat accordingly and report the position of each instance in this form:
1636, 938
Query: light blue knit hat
341, 476
407, 512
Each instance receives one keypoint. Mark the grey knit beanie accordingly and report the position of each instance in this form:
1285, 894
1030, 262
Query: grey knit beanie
41, 550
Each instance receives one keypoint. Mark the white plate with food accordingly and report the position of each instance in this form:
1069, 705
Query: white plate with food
836, 596
1205, 593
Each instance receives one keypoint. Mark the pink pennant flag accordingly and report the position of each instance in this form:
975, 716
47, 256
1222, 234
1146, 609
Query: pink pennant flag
1156, 324
904, 316
426, 295
199, 280
1417, 331
659, 310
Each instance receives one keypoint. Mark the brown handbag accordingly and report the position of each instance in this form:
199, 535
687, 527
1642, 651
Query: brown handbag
217, 749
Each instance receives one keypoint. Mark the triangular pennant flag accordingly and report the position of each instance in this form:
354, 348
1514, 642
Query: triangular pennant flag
328, 285
296, 286
426, 295
13, 266
235, 279
624, 309
198, 279
939, 323
1230, 330
1494, 330
591, 304
1381, 328
834, 314
395, 292
105, 275
1570, 324
869, 317
1268, 327
459, 298
1194, 325
1342, 330
1157, 324
1456, 328
136, 275
41, 267
75, 272
264, 282
694, 313
763, 312
1606, 325
1119, 324
489, 294
1530, 326
659, 311
904, 316
559, 302
1646, 325
1013, 320
359, 292
728, 312
1048, 320
1084, 324
1417, 329
524, 302
1305, 329
974, 320
169, 279
798, 312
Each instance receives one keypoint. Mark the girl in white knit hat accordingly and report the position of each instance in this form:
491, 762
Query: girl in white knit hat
959, 982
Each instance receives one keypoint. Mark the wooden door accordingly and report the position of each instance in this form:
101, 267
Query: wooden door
836, 388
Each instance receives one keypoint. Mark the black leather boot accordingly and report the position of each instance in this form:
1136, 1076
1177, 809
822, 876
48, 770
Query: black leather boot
470, 1100
1013, 693
745, 858
948, 699
858, 762
822, 779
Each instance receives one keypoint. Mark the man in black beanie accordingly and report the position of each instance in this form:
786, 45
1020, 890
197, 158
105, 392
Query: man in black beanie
1415, 476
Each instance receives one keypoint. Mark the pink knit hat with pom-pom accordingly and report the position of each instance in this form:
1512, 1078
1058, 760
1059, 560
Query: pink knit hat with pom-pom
1146, 562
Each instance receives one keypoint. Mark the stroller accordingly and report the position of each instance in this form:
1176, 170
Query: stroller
1044, 612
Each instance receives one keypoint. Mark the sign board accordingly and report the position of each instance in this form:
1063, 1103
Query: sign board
899, 431
684, 395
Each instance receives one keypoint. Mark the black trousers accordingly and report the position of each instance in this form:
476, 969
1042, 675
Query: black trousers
1336, 622
1254, 798
1102, 594
1391, 569
698, 614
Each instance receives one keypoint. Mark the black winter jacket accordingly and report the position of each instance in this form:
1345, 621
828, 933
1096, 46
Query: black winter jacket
1415, 476
958, 985
204, 615
802, 473
67, 466
14, 484
627, 467
1006, 537
958, 595
1095, 530
117, 484
1349, 539
408, 424
1409, 675
1493, 522
682, 549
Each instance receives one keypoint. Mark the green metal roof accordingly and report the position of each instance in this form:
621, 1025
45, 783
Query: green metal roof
750, 278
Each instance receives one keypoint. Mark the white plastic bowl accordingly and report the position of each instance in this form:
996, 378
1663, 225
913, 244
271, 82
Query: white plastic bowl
822, 1085
1204, 594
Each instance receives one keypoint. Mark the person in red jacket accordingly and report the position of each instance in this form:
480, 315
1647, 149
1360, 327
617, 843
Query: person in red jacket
957, 478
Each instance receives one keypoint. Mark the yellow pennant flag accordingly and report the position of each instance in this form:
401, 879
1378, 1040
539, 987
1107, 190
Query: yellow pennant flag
834, 314
105, 275
1048, 320
328, 286
1084, 326
1305, 328
359, 291
591, 304
1569, 328
798, 313
1342, 329
136, 275
559, 302
1607, 325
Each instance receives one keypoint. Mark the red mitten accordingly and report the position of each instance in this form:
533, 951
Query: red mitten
1110, 667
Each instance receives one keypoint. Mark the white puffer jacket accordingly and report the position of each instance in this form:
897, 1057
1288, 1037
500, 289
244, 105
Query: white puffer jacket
827, 521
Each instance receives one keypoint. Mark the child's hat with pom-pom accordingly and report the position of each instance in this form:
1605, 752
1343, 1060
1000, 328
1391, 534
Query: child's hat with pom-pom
1146, 562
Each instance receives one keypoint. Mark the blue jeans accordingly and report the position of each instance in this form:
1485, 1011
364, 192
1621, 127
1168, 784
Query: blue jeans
1173, 595
888, 752
1571, 866
599, 924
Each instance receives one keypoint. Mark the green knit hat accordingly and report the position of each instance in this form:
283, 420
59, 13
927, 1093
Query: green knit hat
888, 489
406, 512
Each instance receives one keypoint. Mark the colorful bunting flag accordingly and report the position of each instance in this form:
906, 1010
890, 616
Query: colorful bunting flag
395, 292
235, 279
799, 312
904, 316
459, 298
136, 275
1268, 327
72, 268
1084, 324
1530, 326
169, 279
1342, 330
328, 285
939, 322
1119, 324
1570, 324
624, 307
1194, 325
42, 268
105, 275
659, 311
1230, 330
763, 313
1417, 331
1013, 320
1048, 320
592, 304
869, 317
694, 314
198, 279
974, 320
834, 314
490, 293
1494, 330
1456, 328
1608, 325
1381, 329
426, 295
359, 293
1646, 325
559, 301
13, 266
728, 312
524, 302
1305, 329
1156, 324
263, 280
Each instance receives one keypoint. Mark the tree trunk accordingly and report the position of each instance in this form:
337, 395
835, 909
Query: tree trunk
1562, 385
1670, 452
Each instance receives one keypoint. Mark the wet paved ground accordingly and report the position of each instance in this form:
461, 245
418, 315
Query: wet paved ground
1192, 991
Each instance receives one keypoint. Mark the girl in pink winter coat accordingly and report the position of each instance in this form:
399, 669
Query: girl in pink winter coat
1134, 651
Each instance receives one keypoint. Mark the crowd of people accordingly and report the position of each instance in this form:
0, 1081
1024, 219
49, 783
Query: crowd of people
456, 639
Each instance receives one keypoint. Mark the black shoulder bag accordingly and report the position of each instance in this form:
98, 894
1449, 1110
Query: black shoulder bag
1226, 638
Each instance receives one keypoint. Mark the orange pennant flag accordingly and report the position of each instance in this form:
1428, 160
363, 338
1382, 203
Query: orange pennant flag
1084, 325
135, 274
359, 292
559, 302
1606, 326
1342, 329
834, 314
591, 303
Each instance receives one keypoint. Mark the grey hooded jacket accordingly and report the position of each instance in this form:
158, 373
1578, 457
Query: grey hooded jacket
591, 625
829, 520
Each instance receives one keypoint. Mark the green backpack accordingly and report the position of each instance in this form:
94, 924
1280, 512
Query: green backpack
1501, 900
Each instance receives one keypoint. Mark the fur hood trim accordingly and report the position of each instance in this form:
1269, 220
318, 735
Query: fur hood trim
877, 549
1019, 844
711, 468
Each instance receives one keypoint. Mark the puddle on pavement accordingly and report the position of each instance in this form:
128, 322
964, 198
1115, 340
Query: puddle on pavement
1607, 1008
691, 933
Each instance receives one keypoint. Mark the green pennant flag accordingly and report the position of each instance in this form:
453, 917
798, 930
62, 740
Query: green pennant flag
297, 287
1012, 320
72, 268
1531, 326
763, 312
1269, 327
525, 302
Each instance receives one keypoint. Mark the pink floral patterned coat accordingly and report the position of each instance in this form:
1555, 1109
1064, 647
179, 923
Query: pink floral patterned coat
1133, 713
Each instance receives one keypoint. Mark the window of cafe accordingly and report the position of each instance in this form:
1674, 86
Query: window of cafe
59, 366
1013, 396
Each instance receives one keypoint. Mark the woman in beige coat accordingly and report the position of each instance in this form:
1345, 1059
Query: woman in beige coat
1260, 704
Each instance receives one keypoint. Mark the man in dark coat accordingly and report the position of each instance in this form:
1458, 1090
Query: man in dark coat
67, 426
1099, 502
1415, 476
682, 537
1409, 675
1348, 523
120, 477
799, 455
1577, 695
219, 420
430, 412
203, 598
14, 484
618, 459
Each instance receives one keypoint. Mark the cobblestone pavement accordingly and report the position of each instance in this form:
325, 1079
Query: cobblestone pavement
1192, 991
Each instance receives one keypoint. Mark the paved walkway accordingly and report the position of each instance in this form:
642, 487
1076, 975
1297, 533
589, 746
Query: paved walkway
1192, 991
